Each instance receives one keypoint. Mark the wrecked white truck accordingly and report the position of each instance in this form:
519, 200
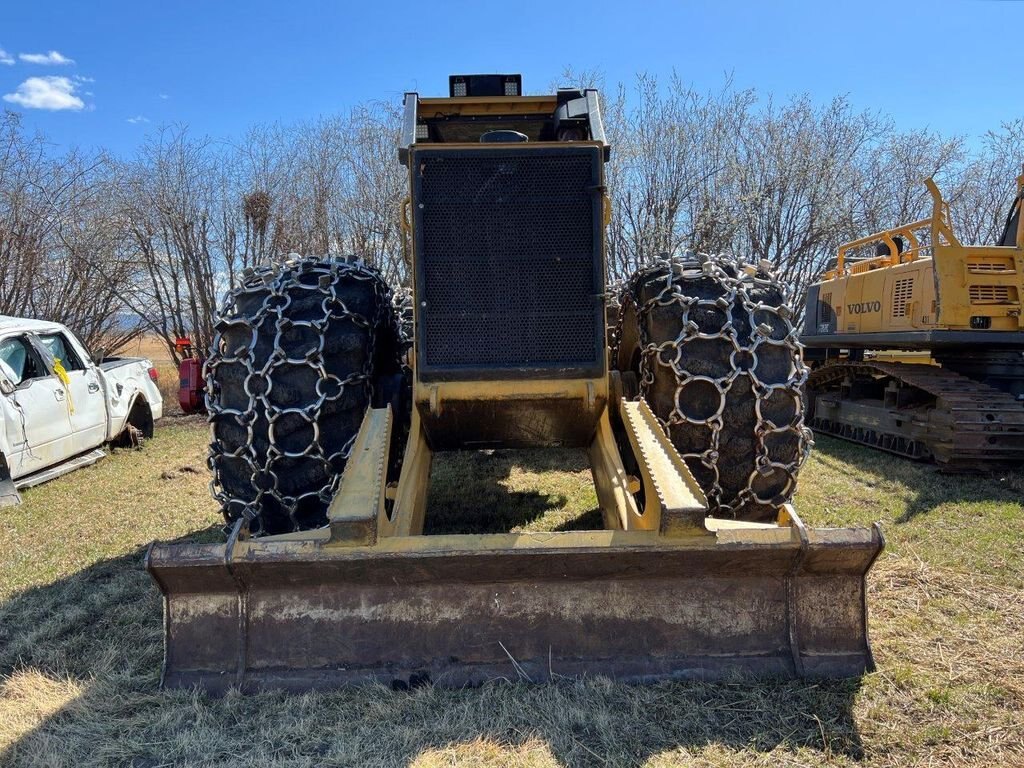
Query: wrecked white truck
58, 407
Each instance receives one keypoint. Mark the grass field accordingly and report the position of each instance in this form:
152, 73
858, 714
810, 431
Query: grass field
80, 628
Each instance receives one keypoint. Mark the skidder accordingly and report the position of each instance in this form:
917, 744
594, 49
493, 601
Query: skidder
693, 424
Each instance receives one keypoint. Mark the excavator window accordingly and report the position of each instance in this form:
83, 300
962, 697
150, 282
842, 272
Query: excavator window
467, 129
570, 121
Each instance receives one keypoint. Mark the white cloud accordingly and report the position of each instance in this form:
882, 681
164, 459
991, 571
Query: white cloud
138, 119
54, 93
5, 57
84, 79
164, 96
50, 58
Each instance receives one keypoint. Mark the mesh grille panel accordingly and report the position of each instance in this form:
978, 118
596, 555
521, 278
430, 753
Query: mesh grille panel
901, 296
992, 294
825, 313
508, 259
999, 266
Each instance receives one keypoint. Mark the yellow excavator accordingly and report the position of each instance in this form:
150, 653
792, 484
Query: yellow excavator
325, 425
918, 348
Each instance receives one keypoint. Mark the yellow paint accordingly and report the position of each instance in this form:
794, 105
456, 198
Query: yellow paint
619, 509
433, 394
359, 502
672, 499
900, 356
732, 533
486, 105
410, 507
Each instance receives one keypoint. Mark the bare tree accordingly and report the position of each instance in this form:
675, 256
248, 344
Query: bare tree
795, 164
58, 242
158, 237
887, 185
165, 205
988, 184
372, 186
670, 176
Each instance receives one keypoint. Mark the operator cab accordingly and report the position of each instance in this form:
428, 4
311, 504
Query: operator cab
492, 109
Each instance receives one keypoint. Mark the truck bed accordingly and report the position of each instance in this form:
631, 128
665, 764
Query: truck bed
110, 363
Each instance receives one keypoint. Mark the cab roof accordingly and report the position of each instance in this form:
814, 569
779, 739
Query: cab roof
10, 324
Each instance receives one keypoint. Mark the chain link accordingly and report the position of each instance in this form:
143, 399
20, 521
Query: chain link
252, 326
402, 306
753, 328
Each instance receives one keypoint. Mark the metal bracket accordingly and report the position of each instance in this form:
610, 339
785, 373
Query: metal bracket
788, 516
410, 505
612, 484
359, 503
671, 493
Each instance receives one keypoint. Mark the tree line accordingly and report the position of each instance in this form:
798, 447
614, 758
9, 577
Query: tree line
118, 246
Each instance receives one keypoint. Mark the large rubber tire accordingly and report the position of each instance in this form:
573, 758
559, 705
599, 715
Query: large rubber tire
299, 353
717, 359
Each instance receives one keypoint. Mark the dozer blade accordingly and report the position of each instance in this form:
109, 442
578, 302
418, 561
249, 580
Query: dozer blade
463, 609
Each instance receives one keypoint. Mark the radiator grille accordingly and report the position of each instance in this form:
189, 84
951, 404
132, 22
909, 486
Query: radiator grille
508, 267
826, 315
992, 294
901, 296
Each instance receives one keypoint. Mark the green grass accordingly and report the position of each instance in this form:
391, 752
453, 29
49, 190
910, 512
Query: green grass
495, 491
80, 630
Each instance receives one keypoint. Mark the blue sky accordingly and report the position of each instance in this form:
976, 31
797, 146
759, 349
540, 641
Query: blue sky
221, 66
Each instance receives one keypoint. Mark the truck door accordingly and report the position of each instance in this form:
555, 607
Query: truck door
87, 407
40, 431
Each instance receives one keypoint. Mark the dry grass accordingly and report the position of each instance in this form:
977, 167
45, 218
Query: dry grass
153, 347
80, 637
150, 346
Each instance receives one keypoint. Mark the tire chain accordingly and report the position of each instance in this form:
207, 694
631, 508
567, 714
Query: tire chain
769, 325
401, 304
278, 285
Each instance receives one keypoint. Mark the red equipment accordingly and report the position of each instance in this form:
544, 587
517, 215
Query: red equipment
191, 384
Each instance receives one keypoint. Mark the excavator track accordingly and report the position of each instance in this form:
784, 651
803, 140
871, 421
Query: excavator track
918, 411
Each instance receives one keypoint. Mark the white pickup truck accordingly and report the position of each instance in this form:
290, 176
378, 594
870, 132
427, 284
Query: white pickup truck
58, 407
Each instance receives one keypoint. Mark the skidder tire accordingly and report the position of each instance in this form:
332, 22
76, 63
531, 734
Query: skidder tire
711, 341
299, 352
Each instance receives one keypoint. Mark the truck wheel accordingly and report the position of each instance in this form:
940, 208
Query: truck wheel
298, 354
712, 344
138, 426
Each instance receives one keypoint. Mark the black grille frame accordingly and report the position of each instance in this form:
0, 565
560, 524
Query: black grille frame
509, 262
